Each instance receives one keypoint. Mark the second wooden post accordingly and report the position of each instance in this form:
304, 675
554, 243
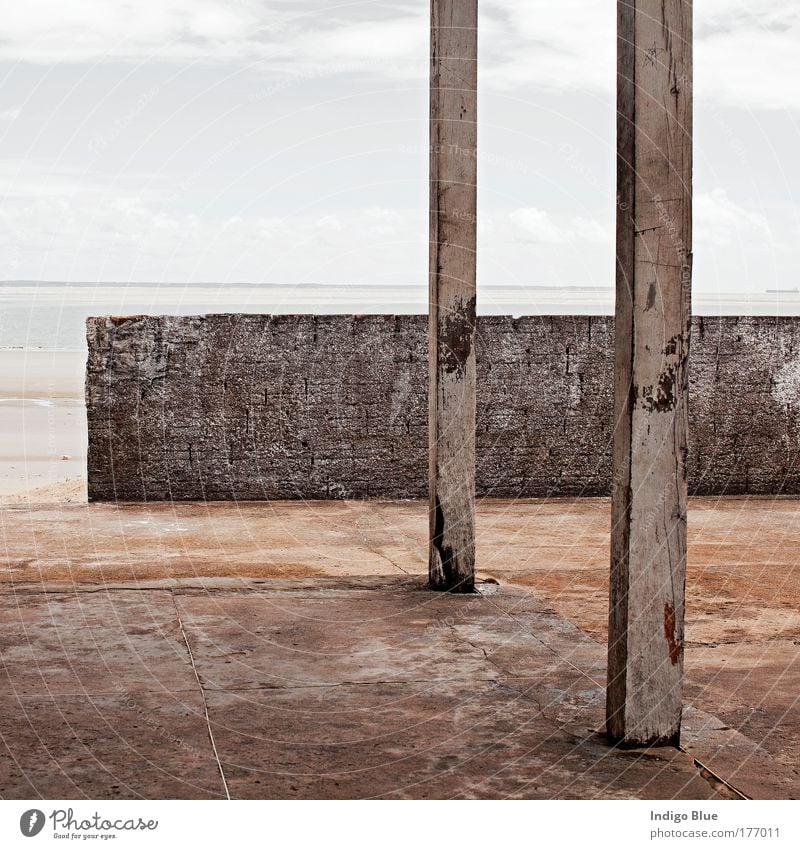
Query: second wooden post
653, 323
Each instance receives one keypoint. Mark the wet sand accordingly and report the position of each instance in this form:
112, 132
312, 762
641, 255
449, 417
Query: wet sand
42, 422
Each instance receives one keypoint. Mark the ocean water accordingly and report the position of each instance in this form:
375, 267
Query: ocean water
52, 316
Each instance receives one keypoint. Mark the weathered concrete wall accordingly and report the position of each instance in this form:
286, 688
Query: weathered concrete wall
302, 406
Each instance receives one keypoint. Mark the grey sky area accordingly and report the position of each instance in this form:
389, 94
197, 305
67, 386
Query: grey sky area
286, 142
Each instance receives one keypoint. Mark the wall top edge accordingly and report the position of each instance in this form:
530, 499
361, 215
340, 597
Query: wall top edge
123, 319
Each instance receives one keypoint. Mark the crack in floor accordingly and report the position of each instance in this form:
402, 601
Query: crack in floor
203, 696
370, 545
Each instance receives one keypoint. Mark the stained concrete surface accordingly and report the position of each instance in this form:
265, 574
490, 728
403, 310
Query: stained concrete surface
326, 669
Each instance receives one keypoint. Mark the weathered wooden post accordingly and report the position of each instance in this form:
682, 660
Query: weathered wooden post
653, 322
451, 310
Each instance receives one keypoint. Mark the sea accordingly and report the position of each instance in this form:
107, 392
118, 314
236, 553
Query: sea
51, 315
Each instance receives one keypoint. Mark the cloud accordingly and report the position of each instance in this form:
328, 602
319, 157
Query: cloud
10, 114
59, 227
563, 46
535, 225
388, 44
719, 221
68, 225
274, 32
593, 231
92, 30
747, 54
384, 222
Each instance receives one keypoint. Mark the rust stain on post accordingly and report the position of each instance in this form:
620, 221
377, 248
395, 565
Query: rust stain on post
675, 646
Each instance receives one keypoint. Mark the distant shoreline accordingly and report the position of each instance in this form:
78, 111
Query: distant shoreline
51, 315
111, 284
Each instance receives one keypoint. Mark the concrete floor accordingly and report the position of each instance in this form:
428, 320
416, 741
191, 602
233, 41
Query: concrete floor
301, 638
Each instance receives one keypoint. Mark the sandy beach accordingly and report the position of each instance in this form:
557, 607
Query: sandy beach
42, 426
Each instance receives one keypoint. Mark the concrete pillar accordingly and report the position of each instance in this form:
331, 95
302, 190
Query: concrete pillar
451, 323
653, 323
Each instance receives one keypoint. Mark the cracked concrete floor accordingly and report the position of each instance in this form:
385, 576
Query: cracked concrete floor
300, 639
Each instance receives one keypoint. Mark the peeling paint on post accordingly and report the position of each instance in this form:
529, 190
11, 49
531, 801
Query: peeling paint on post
451, 316
653, 323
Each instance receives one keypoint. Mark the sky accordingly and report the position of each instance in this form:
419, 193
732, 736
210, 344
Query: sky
285, 141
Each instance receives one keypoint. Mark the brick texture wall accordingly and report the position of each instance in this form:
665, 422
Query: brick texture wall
303, 406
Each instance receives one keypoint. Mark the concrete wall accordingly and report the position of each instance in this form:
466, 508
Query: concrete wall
303, 406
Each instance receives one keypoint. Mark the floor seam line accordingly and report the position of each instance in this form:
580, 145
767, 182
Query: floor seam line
546, 645
101, 694
203, 696
267, 688
715, 776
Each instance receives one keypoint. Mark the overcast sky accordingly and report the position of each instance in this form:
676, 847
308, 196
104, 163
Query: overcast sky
285, 141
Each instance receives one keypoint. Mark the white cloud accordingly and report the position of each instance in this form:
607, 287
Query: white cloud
59, 229
719, 221
329, 223
65, 225
536, 225
560, 46
593, 231
276, 33
384, 222
10, 114
372, 43
81, 30
747, 53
